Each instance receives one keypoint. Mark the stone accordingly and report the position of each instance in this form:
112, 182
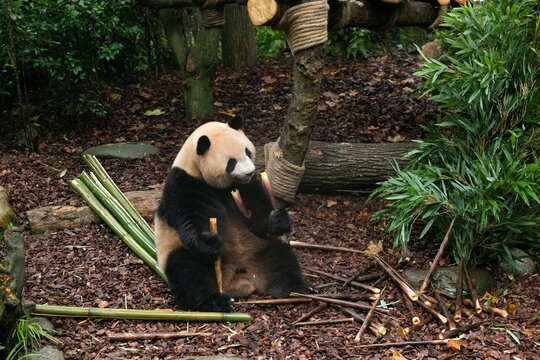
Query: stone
16, 260
48, 352
45, 324
123, 151
8, 217
523, 264
445, 279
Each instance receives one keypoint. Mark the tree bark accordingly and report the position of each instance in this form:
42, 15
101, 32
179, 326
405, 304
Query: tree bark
238, 38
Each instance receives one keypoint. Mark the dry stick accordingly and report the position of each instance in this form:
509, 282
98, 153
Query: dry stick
459, 293
298, 300
437, 258
301, 244
217, 263
408, 303
324, 322
486, 308
352, 283
406, 343
392, 274
355, 305
376, 329
461, 329
153, 336
424, 321
445, 311
368, 318
472, 290
306, 316
356, 276
434, 312
351, 297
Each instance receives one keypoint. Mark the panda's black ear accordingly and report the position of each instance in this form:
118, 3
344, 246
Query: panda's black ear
203, 145
236, 122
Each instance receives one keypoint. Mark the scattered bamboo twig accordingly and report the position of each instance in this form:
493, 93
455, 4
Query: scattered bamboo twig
451, 323
376, 329
453, 333
296, 300
354, 305
307, 315
358, 336
301, 244
406, 343
487, 308
324, 322
408, 303
154, 336
361, 278
351, 297
423, 322
392, 274
472, 290
217, 263
106, 313
459, 292
352, 283
434, 312
435, 263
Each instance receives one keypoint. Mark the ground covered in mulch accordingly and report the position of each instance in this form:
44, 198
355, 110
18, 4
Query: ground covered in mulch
362, 101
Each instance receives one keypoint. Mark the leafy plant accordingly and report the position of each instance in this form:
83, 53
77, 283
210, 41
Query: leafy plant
480, 163
270, 43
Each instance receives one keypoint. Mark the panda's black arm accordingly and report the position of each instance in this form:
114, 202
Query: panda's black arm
263, 220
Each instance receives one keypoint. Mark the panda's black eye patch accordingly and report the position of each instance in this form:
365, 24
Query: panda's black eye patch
231, 164
248, 153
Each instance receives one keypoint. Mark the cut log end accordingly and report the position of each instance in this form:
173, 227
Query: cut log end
261, 11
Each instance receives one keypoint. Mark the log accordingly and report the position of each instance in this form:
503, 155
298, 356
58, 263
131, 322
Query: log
8, 217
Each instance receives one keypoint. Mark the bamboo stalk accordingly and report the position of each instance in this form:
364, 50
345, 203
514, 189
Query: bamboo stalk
155, 335
472, 290
268, 188
364, 278
240, 204
392, 274
423, 322
486, 308
435, 263
301, 244
368, 318
406, 343
166, 315
324, 322
93, 163
434, 312
352, 283
376, 329
445, 311
298, 300
119, 213
455, 332
80, 188
459, 293
408, 303
306, 316
217, 263
351, 297
355, 305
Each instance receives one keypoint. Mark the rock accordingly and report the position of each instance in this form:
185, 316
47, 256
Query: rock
45, 324
7, 215
446, 278
432, 49
16, 260
123, 150
48, 352
522, 263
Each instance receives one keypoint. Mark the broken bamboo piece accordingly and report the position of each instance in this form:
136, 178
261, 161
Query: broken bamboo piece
356, 277
352, 283
351, 297
408, 304
459, 293
406, 343
355, 305
324, 322
240, 204
217, 263
392, 274
268, 188
301, 244
423, 322
376, 329
154, 336
437, 258
487, 308
472, 290
442, 305
358, 336
462, 329
307, 315
295, 300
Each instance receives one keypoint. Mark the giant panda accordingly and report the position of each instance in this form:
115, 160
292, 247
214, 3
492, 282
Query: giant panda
214, 160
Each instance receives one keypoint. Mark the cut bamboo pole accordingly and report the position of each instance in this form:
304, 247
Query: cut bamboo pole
451, 323
376, 329
217, 263
408, 303
352, 297
80, 188
355, 305
268, 188
405, 343
368, 318
459, 292
455, 332
240, 204
352, 283
298, 300
361, 278
435, 263
423, 322
154, 336
306, 316
166, 315
392, 274
324, 322
301, 244
472, 290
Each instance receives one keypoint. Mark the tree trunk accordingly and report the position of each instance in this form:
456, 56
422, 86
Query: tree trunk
238, 38
198, 62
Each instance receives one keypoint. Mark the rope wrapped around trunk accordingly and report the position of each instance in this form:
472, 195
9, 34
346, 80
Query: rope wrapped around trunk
212, 14
284, 176
305, 25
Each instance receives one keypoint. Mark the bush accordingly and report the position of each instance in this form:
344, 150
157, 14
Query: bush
480, 163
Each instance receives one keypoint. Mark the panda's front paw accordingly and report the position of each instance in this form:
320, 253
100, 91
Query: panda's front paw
279, 223
209, 245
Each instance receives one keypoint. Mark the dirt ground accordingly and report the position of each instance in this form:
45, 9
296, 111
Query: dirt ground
362, 101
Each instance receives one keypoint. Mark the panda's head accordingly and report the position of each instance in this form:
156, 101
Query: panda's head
219, 153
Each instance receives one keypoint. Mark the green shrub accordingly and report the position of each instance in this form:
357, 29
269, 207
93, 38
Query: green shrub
480, 163
270, 43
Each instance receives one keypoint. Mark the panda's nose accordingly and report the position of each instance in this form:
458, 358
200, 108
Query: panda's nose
250, 174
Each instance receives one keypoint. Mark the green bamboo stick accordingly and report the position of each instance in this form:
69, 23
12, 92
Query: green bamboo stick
120, 214
106, 180
53, 310
81, 189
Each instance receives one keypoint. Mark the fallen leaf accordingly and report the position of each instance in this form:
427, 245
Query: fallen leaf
331, 203
103, 304
396, 355
400, 331
270, 88
268, 79
374, 248
511, 307
395, 139
453, 344
154, 112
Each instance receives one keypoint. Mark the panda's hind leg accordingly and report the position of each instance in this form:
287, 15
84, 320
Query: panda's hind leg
193, 283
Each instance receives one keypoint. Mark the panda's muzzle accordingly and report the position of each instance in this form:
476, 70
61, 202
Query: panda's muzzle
244, 178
